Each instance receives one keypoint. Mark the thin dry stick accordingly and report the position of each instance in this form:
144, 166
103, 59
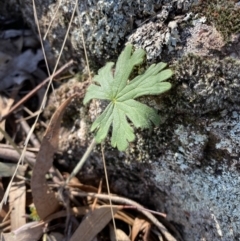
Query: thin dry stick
42, 45
54, 70
108, 189
127, 201
99, 191
93, 142
84, 45
27, 128
31, 115
13, 155
53, 18
32, 92
9, 139
40, 37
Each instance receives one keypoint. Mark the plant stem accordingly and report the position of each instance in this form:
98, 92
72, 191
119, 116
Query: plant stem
82, 161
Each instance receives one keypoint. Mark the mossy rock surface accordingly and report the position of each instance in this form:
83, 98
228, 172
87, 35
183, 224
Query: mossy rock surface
224, 14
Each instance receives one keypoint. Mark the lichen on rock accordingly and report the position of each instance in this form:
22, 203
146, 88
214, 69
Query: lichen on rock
106, 25
206, 85
153, 36
201, 39
205, 190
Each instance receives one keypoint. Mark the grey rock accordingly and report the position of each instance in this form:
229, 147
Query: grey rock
205, 197
204, 85
106, 25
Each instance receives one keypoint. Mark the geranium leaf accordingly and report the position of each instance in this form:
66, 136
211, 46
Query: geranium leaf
120, 92
103, 123
141, 115
122, 132
124, 66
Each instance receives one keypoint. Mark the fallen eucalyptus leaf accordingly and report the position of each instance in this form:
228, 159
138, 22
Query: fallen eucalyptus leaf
93, 223
5, 105
43, 198
17, 202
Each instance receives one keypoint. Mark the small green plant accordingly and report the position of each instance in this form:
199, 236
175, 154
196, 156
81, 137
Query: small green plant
115, 87
33, 213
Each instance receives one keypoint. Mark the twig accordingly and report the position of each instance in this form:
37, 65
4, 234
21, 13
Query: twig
31, 93
31, 115
30, 149
140, 208
27, 129
9, 139
13, 155
109, 194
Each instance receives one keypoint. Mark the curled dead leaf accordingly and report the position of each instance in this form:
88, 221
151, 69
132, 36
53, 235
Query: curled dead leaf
5, 105
44, 199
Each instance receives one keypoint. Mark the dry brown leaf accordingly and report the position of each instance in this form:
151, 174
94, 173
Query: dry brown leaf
118, 234
93, 223
8, 48
125, 217
19, 68
17, 202
29, 232
43, 198
4, 60
5, 105
5, 208
140, 225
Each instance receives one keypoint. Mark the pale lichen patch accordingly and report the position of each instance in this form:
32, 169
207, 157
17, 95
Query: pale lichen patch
204, 196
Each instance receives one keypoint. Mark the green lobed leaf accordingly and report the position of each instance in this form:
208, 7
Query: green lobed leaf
121, 93
124, 66
103, 123
122, 132
141, 115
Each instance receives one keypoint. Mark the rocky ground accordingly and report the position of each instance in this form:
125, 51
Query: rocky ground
188, 167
